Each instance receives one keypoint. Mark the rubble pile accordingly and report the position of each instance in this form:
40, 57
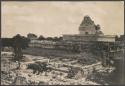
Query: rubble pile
64, 72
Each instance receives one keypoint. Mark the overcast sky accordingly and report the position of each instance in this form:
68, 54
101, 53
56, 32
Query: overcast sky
56, 18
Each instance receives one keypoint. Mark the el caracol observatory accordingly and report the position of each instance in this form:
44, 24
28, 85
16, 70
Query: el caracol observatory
89, 31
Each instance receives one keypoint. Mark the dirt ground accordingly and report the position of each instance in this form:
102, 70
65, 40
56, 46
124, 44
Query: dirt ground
23, 76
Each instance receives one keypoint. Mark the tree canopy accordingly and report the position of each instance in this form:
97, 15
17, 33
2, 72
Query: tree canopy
18, 39
41, 37
7, 42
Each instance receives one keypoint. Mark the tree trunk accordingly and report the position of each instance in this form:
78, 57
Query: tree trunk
19, 64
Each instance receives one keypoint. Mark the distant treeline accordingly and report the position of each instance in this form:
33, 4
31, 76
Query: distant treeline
11, 42
50, 38
41, 37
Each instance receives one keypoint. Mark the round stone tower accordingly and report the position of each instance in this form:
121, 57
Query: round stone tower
87, 27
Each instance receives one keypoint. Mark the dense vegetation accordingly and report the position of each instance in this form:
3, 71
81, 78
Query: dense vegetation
10, 42
49, 38
18, 43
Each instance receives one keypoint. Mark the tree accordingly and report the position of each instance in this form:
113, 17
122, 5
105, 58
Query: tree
116, 38
41, 37
19, 43
24, 43
31, 36
60, 38
7, 42
55, 39
49, 38
97, 27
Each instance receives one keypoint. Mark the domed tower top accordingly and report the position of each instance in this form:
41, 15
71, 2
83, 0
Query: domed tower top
87, 21
87, 26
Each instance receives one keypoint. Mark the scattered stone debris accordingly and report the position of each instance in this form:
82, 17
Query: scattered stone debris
63, 72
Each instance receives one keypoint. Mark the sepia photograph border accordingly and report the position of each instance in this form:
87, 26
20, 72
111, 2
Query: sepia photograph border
60, 1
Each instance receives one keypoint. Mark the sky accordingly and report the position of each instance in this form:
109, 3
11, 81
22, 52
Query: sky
55, 18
